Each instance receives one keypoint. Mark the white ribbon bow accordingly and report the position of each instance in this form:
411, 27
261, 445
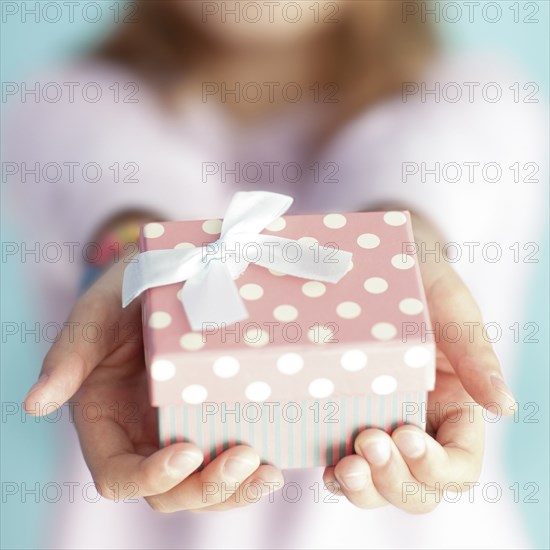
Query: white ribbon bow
210, 293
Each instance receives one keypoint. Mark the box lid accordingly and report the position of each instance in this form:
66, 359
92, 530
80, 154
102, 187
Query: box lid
303, 339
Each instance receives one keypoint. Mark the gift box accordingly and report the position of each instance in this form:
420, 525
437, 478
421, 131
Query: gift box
306, 363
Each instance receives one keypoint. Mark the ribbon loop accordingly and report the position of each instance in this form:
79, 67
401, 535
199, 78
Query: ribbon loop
253, 211
210, 294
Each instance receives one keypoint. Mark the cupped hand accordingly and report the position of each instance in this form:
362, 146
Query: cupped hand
410, 468
117, 426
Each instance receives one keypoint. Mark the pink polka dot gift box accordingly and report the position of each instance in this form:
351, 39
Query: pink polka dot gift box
287, 333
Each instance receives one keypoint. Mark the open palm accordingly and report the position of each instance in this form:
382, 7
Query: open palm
117, 426
411, 468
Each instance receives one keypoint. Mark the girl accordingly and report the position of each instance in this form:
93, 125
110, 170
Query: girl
192, 92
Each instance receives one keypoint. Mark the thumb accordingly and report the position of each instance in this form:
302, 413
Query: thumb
89, 335
471, 355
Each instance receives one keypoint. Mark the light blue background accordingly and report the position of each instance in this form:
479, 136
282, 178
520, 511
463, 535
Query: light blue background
28, 447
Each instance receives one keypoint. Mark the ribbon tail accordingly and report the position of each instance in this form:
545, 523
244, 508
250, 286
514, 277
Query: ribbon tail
211, 298
327, 264
158, 268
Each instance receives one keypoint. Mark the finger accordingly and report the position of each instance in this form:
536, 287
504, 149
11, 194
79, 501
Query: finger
471, 354
120, 473
454, 460
391, 475
76, 353
215, 484
264, 482
354, 476
331, 483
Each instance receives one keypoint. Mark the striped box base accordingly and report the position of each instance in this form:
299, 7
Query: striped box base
301, 434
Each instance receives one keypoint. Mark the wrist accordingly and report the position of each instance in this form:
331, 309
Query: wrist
116, 241
118, 237
429, 245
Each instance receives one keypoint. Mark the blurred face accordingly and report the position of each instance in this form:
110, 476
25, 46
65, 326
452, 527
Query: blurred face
264, 22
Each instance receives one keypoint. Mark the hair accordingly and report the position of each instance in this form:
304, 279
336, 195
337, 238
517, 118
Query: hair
368, 58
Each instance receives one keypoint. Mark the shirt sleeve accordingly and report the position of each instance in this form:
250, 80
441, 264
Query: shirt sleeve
476, 167
80, 145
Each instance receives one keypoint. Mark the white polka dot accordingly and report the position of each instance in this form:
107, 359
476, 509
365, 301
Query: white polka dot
162, 370
353, 360
192, 341
160, 319
335, 221
402, 261
290, 363
153, 230
395, 218
256, 337
184, 246
417, 357
251, 291
348, 310
383, 331
308, 241
278, 225
194, 394
178, 294
411, 306
368, 240
376, 285
285, 313
212, 227
226, 366
320, 334
276, 273
257, 391
314, 289
384, 384
320, 388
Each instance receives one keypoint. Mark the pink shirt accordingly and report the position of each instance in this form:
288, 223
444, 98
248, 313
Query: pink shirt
174, 165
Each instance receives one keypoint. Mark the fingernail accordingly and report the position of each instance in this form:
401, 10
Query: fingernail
354, 482
238, 468
184, 462
39, 383
377, 452
500, 385
411, 444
